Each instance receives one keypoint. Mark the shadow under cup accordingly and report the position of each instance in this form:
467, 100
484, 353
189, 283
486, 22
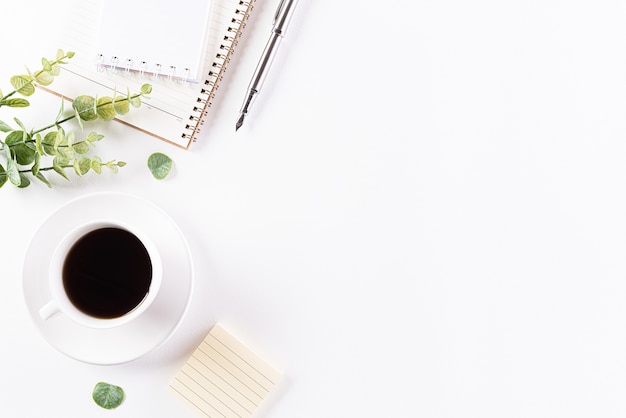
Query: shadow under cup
103, 275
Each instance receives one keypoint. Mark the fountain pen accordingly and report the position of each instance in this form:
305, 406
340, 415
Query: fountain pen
279, 26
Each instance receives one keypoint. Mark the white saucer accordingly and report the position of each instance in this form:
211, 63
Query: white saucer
132, 340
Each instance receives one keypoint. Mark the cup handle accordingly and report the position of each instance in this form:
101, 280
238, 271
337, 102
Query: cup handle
49, 310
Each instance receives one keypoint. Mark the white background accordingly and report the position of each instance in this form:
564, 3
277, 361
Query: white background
423, 216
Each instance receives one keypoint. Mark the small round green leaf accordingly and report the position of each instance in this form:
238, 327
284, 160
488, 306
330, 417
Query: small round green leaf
48, 142
24, 181
45, 78
146, 89
160, 165
45, 63
96, 165
108, 396
121, 105
82, 165
81, 147
105, 109
24, 152
85, 107
23, 84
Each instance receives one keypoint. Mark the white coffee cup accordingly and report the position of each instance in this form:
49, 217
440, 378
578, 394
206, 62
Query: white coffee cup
61, 302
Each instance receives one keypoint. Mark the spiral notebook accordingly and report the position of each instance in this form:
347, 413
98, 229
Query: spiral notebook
178, 105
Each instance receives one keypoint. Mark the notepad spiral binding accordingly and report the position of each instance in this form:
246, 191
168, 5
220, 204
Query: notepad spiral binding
218, 68
129, 65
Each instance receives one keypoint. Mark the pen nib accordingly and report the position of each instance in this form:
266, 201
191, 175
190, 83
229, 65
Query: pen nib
239, 122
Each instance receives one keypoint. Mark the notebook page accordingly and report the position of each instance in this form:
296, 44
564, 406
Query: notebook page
223, 378
165, 112
155, 37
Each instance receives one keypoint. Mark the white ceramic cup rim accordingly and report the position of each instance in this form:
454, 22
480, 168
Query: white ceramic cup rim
60, 302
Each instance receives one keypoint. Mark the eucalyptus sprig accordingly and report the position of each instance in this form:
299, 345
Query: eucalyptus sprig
29, 153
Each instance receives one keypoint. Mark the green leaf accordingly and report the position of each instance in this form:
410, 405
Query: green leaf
55, 70
70, 138
13, 172
108, 396
23, 84
24, 155
82, 165
45, 78
61, 54
113, 166
135, 101
21, 125
96, 164
4, 127
15, 102
66, 151
81, 147
121, 105
23, 152
46, 64
85, 107
58, 165
105, 109
39, 145
3, 176
160, 165
36, 164
48, 143
61, 111
59, 139
24, 182
146, 89
93, 137
44, 180
78, 119
14, 137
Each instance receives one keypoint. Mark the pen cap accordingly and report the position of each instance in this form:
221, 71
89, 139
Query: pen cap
283, 15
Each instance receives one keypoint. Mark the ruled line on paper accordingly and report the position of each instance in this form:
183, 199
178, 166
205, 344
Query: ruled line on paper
223, 378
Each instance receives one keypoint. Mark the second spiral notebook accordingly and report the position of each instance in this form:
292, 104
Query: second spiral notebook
155, 38
182, 90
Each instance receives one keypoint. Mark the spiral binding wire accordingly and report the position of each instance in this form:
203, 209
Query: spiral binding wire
218, 68
116, 66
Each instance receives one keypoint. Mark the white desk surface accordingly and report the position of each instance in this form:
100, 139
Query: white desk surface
423, 216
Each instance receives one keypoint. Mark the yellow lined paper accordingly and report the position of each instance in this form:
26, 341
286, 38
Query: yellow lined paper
223, 378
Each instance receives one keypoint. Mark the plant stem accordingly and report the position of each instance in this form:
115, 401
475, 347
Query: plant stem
46, 168
56, 123
37, 73
70, 117
8, 95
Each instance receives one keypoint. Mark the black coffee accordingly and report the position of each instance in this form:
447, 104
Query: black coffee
107, 272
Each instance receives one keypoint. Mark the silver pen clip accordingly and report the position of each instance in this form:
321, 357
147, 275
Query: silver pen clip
278, 11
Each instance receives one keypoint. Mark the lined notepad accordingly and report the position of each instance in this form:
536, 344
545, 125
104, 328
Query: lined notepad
223, 378
166, 38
